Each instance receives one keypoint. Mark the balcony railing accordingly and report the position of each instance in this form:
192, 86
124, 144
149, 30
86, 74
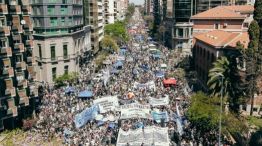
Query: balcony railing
21, 65
19, 48
23, 98
15, 9
4, 31
3, 9
22, 83
12, 109
27, 10
30, 60
6, 51
17, 28
10, 92
29, 43
8, 72
28, 26
33, 90
25, 2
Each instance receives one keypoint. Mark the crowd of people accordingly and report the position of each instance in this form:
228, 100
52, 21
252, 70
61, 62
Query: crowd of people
58, 109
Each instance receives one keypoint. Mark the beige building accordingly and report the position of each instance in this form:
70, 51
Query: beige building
57, 55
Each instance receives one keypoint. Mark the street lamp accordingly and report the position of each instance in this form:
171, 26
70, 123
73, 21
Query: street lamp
221, 100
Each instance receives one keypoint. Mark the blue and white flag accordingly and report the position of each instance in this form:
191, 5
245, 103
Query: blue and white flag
157, 116
86, 115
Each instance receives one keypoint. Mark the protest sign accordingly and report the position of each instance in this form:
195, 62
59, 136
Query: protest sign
157, 116
106, 104
158, 101
149, 135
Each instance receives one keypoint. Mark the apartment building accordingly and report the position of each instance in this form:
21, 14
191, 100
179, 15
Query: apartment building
17, 73
109, 9
148, 7
60, 37
94, 17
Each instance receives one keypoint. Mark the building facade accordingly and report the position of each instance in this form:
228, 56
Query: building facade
60, 37
17, 73
94, 17
109, 9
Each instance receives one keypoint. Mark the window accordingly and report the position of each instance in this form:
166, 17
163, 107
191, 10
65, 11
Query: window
66, 69
245, 25
216, 26
180, 32
63, 10
53, 55
52, 1
40, 51
51, 10
53, 21
64, 1
54, 73
65, 51
18, 58
70, 20
62, 21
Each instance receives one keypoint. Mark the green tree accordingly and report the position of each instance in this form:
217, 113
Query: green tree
109, 44
258, 18
251, 55
66, 78
117, 31
203, 115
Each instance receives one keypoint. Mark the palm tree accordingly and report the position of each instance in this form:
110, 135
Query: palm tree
220, 70
231, 84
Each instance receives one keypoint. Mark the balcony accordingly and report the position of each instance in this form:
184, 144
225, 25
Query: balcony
27, 10
30, 60
23, 98
6, 51
6, 62
12, 109
28, 26
10, 90
13, 2
29, 43
22, 83
4, 31
8, 72
17, 28
15, 9
21, 65
3, 9
25, 2
33, 91
19, 48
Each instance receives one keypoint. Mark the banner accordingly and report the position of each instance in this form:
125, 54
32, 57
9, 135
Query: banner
106, 104
157, 116
135, 111
158, 101
86, 115
149, 135
149, 85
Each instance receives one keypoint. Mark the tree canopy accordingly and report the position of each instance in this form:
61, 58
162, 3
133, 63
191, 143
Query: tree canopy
117, 31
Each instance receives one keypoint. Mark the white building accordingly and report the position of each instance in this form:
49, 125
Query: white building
109, 7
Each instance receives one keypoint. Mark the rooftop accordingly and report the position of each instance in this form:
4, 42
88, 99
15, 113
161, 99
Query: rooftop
225, 12
222, 39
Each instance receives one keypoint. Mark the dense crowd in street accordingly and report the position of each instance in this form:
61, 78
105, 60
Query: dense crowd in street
59, 108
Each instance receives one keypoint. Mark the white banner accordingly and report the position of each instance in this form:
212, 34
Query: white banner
158, 101
149, 135
108, 103
135, 111
150, 85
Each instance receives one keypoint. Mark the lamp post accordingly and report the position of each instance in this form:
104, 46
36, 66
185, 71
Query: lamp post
220, 114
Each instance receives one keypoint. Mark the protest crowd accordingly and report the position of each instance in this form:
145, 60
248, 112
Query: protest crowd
131, 103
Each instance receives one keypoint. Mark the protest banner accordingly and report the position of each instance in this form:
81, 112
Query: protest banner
86, 115
106, 104
157, 116
158, 101
149, 135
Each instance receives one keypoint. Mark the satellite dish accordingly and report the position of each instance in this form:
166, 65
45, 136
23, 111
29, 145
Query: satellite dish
23, 22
